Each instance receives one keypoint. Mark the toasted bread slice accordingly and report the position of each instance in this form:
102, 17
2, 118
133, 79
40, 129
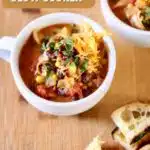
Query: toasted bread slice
146, 147
132, 120
120, 138
95, 144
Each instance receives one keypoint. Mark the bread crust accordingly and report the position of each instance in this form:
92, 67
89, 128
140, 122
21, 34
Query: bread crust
146, 147
141, 143
125, 113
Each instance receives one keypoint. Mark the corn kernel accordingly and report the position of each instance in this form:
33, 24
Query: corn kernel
40, 79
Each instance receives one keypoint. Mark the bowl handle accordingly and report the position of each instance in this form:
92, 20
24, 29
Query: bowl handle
6, 46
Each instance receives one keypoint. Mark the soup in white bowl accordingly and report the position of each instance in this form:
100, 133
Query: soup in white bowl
119, 23
42, 103
135, 13
64, 62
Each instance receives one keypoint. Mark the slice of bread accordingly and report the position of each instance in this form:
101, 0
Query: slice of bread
120, 138
146, 147
132, 120
95, 144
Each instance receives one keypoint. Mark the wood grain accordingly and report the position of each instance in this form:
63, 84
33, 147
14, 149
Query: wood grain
22, 127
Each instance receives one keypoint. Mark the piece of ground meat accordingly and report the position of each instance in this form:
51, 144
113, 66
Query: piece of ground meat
45, 92
76, 91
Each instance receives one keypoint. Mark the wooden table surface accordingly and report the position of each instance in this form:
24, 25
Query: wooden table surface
22, 127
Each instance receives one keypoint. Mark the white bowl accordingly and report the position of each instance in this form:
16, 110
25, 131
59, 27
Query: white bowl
136, 36
51, 107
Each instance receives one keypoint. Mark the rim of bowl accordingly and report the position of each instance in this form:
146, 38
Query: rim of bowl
119, 21
103, 87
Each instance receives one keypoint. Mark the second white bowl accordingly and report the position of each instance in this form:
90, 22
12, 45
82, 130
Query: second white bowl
136, 36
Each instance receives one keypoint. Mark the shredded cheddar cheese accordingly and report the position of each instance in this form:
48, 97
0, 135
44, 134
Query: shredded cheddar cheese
86, 44
142, 3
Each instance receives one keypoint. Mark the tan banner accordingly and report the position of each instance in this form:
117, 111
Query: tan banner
48, 3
